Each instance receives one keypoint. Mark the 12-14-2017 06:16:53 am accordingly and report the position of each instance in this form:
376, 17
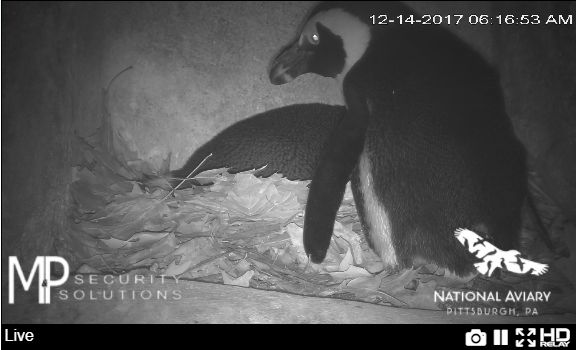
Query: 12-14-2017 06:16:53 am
484, 19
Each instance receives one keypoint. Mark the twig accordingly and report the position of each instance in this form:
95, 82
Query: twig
206, 261
106, 118
117, 75
378, 291
187, 177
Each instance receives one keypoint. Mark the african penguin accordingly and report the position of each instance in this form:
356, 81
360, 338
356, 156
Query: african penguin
286, 140
426, 140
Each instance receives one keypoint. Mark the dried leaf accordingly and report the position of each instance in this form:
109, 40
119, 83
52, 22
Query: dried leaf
138, 240
242, 281
346, 262
136, 190
374, 267
190, 254
191, 228
353, 240
351, 272
84, 198
85, 269
159, 249
296, 235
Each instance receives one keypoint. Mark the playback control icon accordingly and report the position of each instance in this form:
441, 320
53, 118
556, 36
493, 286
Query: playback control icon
500, 337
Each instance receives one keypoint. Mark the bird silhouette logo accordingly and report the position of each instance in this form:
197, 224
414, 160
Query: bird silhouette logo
492, 257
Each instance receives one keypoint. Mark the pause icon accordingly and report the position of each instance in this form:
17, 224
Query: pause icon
500, 337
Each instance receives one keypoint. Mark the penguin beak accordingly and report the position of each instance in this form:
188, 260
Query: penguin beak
289, 64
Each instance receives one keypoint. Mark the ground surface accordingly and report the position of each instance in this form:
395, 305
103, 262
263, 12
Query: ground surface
213, 303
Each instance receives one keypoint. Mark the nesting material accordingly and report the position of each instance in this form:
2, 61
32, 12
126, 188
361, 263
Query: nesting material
239, 230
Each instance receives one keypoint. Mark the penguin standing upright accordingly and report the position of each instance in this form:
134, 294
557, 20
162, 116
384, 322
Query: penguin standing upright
286, 140
426, 140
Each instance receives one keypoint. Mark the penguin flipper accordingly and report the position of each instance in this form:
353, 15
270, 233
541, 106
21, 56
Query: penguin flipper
327, 189
330, 177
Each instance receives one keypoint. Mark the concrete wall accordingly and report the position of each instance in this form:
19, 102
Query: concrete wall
199, 67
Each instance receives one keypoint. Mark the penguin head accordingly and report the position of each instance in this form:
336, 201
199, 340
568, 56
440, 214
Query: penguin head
329, 43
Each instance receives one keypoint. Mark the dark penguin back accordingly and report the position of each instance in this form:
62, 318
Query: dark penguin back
442, 151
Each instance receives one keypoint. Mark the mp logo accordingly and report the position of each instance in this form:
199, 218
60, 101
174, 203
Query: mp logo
42, 265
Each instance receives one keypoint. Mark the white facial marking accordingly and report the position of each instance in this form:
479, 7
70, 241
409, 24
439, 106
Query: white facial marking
355, 34
376, 218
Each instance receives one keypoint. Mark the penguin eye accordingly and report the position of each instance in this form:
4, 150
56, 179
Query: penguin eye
315, 39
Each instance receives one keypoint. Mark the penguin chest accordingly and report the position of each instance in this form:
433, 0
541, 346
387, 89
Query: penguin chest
373, 214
